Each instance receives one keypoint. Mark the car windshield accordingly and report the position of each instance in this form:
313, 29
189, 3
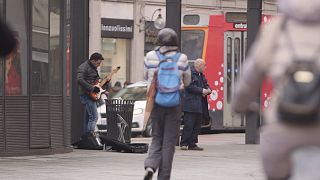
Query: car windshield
137, 93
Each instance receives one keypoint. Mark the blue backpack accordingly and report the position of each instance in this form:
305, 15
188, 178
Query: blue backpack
168, 84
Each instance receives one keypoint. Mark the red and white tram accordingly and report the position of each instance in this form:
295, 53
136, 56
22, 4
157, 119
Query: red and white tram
220, 40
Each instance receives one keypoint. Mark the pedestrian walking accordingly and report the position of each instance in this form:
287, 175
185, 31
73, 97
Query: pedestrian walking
289, 39
195, 107
172, 68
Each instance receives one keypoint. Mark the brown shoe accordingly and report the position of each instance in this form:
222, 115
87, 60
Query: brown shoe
196, 148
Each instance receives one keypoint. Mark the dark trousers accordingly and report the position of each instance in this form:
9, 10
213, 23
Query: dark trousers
165, 130
191, 129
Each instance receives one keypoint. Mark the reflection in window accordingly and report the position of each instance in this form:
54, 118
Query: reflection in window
15, 75
116, 52
1, 8
55, 69
244, 51
40, 49
1, 77
192, 43
67, 51
150, 37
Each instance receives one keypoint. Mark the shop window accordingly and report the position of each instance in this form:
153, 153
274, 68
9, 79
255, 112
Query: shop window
67, 51
116, 52
1, 8
55, 64
15, 65
40, 47
1, 60
150, 37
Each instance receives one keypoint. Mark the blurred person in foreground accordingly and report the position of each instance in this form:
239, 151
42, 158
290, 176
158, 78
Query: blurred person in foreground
165, 121
296, 28
195, 106
115, 89
8, 41
126, 83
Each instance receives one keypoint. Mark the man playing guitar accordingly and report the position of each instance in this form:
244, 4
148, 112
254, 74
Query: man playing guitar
87, 77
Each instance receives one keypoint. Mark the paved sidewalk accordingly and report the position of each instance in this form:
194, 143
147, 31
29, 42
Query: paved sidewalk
225, 158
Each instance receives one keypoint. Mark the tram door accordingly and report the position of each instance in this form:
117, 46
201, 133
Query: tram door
234, 55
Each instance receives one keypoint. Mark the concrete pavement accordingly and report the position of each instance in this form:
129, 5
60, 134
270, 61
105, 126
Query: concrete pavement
225, 158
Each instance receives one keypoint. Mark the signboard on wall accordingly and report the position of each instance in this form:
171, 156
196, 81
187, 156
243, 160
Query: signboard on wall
116, 28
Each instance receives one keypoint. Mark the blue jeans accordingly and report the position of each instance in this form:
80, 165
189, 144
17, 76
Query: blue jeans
91, 114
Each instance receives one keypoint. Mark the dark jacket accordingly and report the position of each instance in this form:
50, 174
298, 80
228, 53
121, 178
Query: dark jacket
193, 99
87, 76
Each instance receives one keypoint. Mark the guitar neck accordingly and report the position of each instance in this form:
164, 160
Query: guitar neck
106, 79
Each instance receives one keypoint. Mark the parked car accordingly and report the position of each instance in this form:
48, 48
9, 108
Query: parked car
137, 92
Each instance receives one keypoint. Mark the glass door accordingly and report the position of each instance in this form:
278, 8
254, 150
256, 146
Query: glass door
234, 54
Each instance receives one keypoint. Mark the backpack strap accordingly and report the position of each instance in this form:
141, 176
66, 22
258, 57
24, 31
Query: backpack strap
163, 57
176, 57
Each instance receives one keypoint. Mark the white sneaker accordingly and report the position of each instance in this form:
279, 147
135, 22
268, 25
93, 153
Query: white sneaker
149, 174
184, 148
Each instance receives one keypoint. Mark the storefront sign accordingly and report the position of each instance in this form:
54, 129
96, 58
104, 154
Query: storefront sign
116, 28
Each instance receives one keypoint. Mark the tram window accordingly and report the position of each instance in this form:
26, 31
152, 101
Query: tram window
192, 19
229, 66
234, 17
236, 58
192, 43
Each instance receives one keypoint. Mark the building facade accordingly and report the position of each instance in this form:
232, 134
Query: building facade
40, 111
129, 52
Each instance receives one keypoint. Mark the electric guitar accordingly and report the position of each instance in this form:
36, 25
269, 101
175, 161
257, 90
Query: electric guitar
95, 96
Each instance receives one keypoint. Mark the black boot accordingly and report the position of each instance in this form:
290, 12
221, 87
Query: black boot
90, 141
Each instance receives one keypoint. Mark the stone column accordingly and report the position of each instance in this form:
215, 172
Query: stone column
94, 26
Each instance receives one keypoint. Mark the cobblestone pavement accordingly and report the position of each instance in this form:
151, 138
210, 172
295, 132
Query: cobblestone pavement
225, 158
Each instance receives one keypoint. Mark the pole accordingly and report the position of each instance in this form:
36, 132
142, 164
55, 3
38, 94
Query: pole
173, 21
254, 21
79, 51
173, 16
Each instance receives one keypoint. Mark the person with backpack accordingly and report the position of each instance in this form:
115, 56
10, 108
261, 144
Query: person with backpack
195, 107
172, 71
288, 53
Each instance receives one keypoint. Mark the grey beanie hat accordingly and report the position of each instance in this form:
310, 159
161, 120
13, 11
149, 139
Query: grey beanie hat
301, 10
167, 37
